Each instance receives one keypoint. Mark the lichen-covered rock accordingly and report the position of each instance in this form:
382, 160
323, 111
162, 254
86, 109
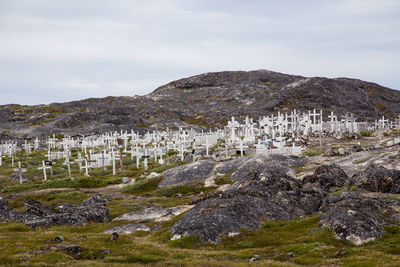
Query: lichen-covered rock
93, 213
15, 177
189, 173
35, 207
265, 192
377, 179
327, 177
354, 219
150, 213
37, 214
56, 219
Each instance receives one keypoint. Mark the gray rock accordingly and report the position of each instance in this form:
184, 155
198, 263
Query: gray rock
94, 213
15, 177
94, 200
189, 173
354, 219
34, 207
37, 214
327, 177
263, 193
127, 228
126, 180
150, 213
377, 179
58, 239
114, 236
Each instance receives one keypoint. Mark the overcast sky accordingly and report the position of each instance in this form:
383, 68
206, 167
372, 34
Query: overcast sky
62, 50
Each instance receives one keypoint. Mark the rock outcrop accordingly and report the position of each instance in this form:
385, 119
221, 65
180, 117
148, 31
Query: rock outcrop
37, 214
266, 193
377, 179
189, 173
354, 219
327, 177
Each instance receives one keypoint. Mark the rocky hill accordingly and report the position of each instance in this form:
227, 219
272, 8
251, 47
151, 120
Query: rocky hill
205, 100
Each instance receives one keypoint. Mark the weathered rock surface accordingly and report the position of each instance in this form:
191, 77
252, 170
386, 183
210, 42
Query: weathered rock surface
37, 214
276, 164
15, 177
265, 193
189, 173
354, 218
151, 213
127, 228
377, 179
327, 177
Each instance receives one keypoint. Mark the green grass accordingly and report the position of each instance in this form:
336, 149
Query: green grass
313, 152
143, 186
367, 133
224, 179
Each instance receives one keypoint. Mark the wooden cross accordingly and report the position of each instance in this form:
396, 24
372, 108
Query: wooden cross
86, 167
68, 163
79, 160
20, 171
207, 145
241, 146
44, 167
113, 162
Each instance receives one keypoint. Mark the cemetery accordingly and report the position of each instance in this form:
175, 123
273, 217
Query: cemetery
286, 188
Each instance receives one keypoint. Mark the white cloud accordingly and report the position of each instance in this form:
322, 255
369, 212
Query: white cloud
59, 51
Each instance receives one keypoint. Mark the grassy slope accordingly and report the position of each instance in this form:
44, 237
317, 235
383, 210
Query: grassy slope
300, 242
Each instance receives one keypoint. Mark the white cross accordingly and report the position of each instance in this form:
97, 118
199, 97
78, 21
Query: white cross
79, 160
207, 145
86, 167
241, 146
113, 162
44, 169
68, 163
20, 171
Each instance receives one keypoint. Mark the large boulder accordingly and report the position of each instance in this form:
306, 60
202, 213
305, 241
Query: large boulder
327, 177
264, 193
37, 214
377, 179
275, 164
189, 173
354, 219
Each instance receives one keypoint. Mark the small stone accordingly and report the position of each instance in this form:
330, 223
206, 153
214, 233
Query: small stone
291, 254
256, 257
58, 238
73, 249
126, 180
104, 251
114, 236
341, 151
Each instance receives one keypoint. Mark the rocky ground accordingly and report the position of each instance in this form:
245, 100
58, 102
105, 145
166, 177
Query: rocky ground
337, 205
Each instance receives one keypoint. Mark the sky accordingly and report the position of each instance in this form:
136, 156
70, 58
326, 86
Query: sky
63, 50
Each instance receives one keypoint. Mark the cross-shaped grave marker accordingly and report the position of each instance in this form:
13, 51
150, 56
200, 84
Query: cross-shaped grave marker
79, 160
44, 167
68, 163
20, 171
